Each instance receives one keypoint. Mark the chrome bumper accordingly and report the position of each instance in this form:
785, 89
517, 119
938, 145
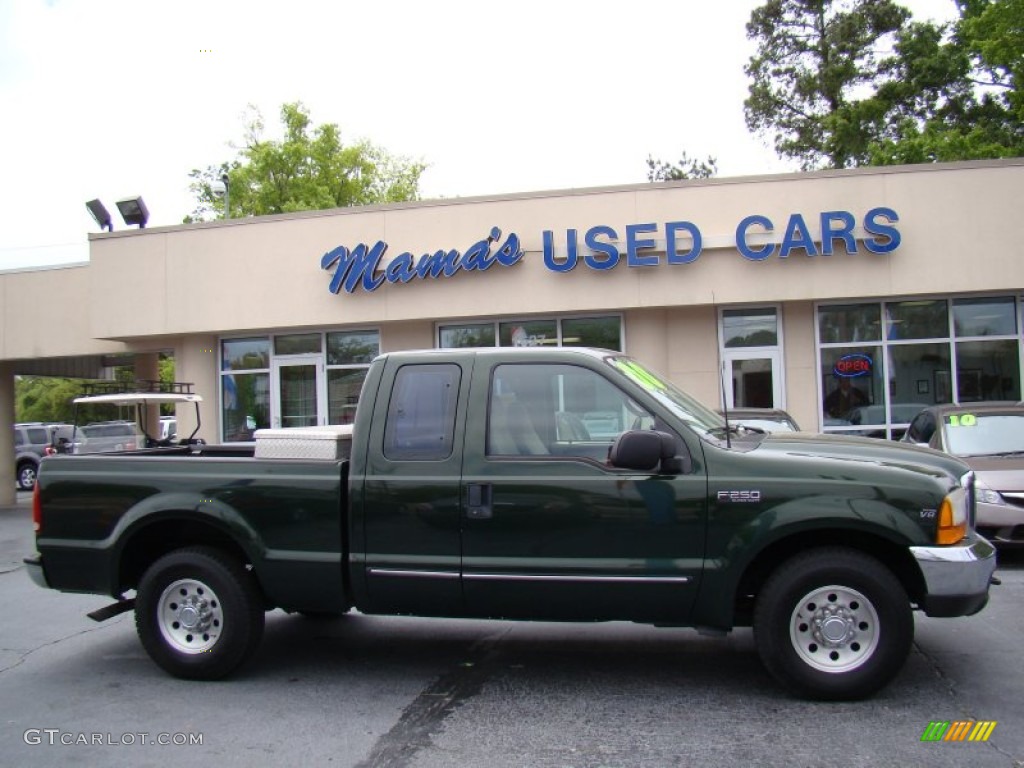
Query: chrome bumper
956, 578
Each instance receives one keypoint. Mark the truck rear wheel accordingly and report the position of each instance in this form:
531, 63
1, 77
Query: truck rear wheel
833, 624
198, 613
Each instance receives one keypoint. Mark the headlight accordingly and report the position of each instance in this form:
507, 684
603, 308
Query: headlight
985, 494
952, 518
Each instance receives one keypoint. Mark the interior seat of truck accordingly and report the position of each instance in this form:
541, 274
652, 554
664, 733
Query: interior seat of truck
510, 431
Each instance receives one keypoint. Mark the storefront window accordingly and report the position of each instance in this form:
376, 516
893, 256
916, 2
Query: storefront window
245, 354
918, 373
352, 347
297, 344
530, 333
916, 320
349, 354
851, 383
985, 317
849, 323
600, 332
459, 336
987, 370
750, 327
245, 404
343, 388
970, 350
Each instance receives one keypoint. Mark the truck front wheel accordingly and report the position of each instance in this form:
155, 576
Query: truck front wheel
833, 624
198, 613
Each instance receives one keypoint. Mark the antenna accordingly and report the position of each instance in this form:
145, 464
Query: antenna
721, 378
725, 409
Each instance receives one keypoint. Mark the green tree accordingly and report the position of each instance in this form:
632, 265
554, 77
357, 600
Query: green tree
956, 91
50, 398
815, 74
309, 169
687, 168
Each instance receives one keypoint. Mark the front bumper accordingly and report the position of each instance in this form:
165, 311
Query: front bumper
956, 578
34, 568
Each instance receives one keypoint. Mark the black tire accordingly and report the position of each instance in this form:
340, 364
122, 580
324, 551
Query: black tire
26, 476
199, 613
833, 624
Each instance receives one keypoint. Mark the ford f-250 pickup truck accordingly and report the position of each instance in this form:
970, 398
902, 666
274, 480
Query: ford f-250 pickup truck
553, 484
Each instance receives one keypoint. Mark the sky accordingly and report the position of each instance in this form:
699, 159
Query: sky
113, 99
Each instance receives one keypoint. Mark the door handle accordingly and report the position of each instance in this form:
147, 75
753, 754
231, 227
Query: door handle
478, 501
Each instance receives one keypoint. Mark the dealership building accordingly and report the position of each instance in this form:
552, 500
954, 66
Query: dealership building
850, 298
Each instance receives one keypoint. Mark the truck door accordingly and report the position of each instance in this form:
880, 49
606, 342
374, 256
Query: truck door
549, 529
411, 511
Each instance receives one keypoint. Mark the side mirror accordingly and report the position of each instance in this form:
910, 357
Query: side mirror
647, 451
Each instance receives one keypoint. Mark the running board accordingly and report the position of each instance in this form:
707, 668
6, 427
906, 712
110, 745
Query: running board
112, 610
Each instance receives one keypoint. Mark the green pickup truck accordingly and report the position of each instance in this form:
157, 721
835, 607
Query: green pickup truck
544, 484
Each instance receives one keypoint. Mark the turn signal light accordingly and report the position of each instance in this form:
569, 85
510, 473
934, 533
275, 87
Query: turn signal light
950, 529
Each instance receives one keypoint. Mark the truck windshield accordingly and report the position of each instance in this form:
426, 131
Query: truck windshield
694, 413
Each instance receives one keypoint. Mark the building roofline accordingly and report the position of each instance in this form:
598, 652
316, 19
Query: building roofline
572, 192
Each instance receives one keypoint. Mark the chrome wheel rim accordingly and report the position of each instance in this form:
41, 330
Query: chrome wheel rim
834, 629
190, 616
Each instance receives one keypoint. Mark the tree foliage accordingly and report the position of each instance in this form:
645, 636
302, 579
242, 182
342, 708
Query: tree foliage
841, 83
814, 75
309, 169
49, 398
956, 92
687, 168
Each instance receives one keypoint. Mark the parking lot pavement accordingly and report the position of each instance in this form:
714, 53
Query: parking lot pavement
365, 691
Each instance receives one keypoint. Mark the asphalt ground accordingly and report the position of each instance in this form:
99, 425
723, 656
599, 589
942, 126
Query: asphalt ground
366, 691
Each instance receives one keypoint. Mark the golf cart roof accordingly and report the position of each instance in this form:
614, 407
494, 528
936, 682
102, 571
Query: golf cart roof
139, 398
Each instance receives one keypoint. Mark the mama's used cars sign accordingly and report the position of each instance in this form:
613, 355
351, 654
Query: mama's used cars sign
602, 248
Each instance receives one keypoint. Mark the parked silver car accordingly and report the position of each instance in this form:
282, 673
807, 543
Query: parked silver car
989, 438
32, 441
108, 436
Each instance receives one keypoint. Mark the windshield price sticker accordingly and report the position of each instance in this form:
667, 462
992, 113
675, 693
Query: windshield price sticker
963, 420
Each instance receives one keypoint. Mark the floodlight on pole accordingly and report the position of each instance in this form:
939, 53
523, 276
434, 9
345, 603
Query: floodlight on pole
133, 211
100, 214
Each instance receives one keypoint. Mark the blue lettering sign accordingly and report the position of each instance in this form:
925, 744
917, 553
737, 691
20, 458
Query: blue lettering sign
887, 237
672, 250
569, 263
843, 230
363, 266
635, 244
611, 253
754, 254
360, 267
797, 236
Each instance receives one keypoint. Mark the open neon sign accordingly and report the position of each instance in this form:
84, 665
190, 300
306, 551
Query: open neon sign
852, 366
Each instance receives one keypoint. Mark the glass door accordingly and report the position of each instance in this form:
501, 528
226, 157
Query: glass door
753, 379
297, 396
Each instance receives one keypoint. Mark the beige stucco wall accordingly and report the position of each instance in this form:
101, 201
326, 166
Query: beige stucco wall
800, 366
259, 274
181, 288
46, 313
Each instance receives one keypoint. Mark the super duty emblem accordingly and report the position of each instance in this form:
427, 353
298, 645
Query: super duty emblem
740, 497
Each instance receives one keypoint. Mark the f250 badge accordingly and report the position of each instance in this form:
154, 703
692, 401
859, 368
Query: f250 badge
739, 497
